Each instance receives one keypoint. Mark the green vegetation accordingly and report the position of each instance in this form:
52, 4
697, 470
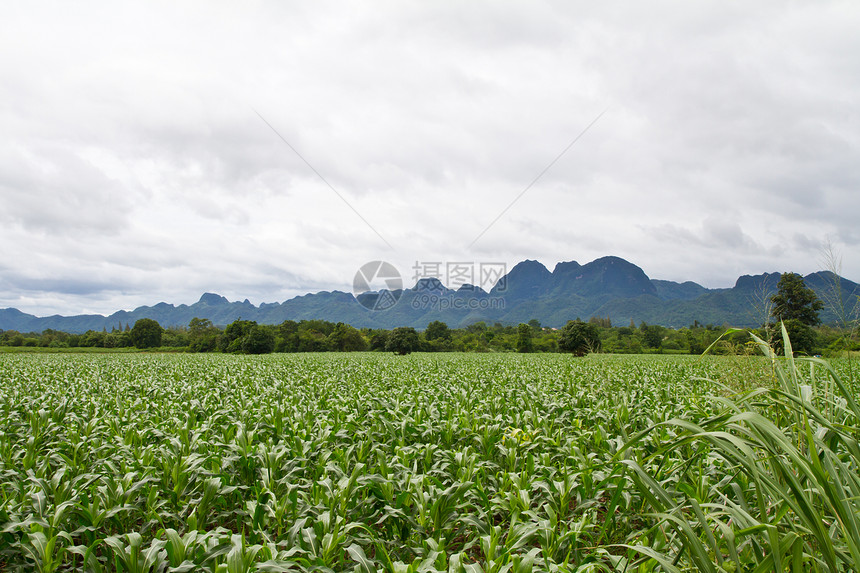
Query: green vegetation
428, 462
524, 338
146, 333
403, 340
794, 301
579, 337
245, 336
796, 306
437, 330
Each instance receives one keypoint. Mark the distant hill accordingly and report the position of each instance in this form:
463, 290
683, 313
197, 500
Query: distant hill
607, 287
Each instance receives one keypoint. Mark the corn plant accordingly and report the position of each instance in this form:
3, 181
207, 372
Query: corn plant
455, 463
775, 483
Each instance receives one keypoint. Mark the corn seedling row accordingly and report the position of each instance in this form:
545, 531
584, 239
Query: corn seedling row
460, 463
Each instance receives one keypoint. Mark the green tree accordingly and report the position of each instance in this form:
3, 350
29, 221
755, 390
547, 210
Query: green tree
146, 333
797, 307
795, 301
379, 340
694, 341
259, 340
477, 327
652, 334
524, 339
437, 330
579, 337
234, 335
287, 328
199, 325
15, 338
203, 335
94, 339
803, 337
345, 338
287, 336
110, 340
402, 340
173, 337
310, 340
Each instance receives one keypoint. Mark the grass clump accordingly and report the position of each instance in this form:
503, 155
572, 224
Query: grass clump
770, 483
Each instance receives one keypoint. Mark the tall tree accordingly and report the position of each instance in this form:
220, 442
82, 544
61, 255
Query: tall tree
234, 335
797, 307
795, 301
203, 335
402, 340
524, 338
259, 340
146, 333
437, 330
345, 338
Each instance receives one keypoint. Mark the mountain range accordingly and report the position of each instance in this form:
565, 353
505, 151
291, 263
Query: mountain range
608, 287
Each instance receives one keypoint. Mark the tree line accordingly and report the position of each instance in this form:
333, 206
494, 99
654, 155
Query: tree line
249, 337
579, 337
794, 305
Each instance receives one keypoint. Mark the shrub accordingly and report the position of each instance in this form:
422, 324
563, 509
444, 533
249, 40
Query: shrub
402, 340
146, 333
579, 338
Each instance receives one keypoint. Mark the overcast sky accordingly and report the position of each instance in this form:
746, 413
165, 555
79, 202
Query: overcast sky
137, 165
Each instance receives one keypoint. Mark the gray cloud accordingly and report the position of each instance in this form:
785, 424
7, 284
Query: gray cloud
133, 167
52, 189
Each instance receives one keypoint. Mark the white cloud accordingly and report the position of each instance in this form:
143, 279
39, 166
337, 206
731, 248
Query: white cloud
134, 168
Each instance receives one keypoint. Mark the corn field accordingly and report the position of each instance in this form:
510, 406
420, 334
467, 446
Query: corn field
475, 463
